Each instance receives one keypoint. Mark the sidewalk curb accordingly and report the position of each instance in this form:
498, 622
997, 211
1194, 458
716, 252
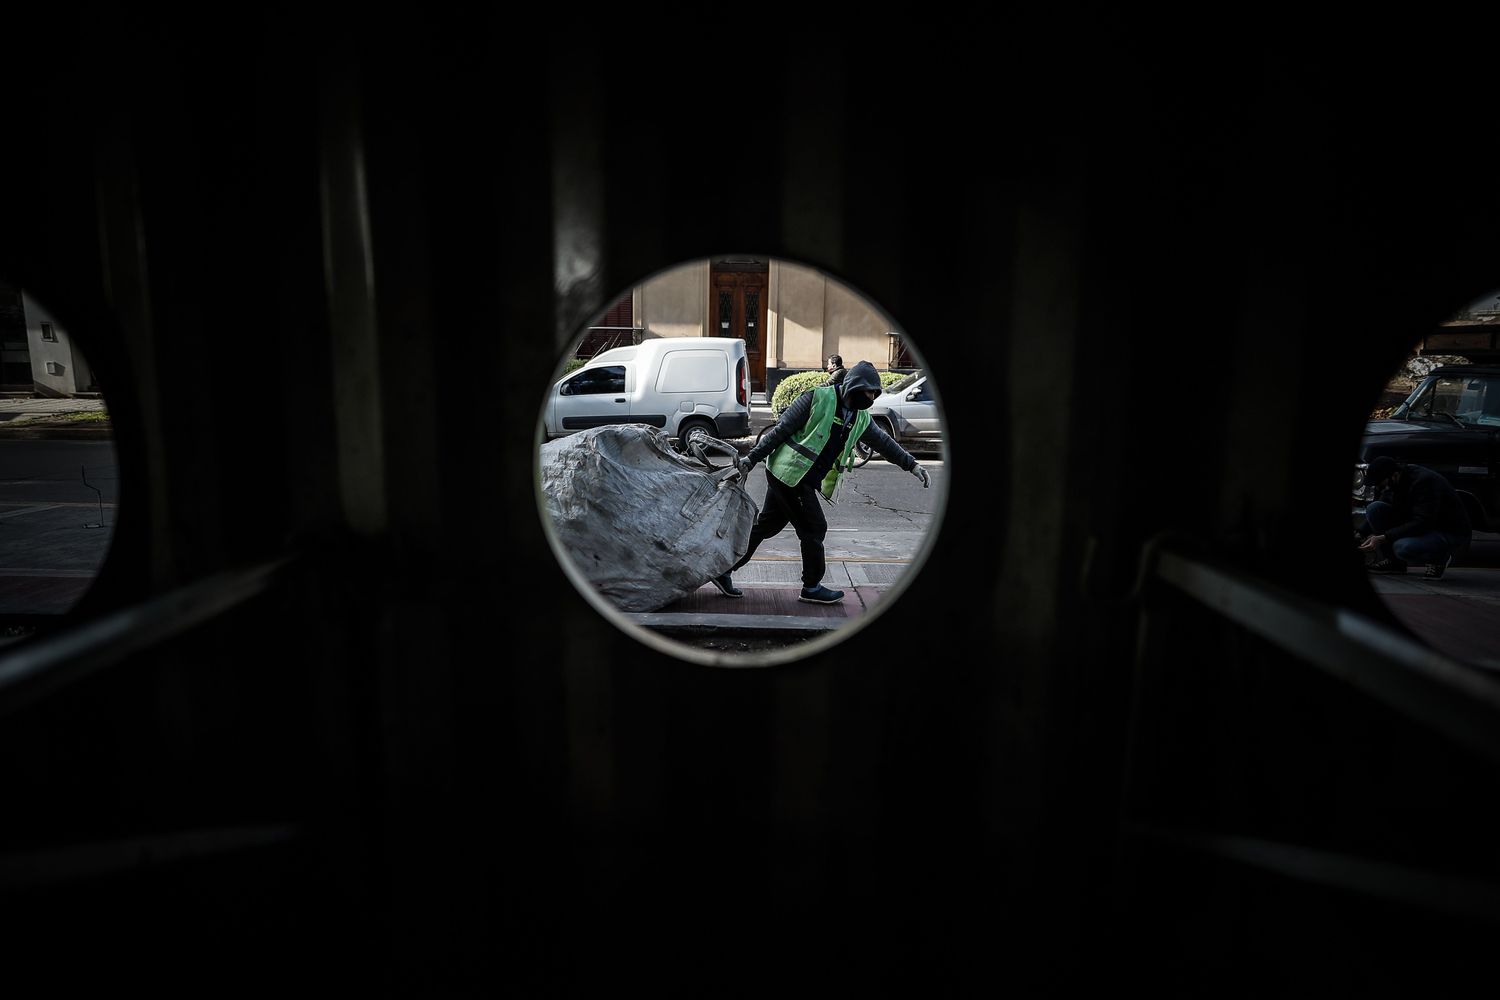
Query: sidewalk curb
764, 624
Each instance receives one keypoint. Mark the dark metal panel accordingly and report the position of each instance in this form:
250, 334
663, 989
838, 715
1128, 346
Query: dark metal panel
81, 861
47, 664
1427, 889
1448, 697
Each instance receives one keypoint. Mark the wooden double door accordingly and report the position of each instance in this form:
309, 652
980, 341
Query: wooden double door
738, 309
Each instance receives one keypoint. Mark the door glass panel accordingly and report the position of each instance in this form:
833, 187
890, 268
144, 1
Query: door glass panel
594, 381
752, 313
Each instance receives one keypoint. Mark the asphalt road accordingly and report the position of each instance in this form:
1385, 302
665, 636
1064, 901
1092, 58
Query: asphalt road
49, 549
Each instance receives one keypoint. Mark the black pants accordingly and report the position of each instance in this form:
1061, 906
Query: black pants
802, 508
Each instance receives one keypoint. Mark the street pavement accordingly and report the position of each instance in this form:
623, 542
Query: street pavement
1459, 614
875, 533
58, 501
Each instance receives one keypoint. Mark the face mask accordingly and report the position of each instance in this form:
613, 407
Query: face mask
860, 400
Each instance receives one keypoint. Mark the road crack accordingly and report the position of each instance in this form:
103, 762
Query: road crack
869, 501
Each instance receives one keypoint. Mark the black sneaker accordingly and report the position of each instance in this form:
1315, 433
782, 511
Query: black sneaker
1435, 570
1389, 564
820, 595
726, 586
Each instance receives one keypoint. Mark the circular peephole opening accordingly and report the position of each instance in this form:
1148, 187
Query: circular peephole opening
59, 474
741, 461
1426, 501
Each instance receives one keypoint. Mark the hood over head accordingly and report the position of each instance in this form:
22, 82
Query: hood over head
861, 376
1380, 469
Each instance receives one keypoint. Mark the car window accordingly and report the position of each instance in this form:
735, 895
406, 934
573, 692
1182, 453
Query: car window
924, 395
593, 381
904, 383
1431, 400
1479, 402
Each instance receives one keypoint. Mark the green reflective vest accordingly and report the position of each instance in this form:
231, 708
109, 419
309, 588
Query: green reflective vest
790, 462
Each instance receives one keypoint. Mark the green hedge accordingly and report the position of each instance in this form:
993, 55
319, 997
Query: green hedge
789, 388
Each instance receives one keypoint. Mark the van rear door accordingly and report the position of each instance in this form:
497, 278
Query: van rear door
691, 380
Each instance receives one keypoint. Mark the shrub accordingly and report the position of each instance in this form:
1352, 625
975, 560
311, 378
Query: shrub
572, 365
789, 388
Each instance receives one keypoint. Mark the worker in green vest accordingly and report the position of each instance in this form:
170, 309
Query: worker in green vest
807, 451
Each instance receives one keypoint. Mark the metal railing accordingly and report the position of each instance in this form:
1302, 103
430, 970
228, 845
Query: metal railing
40, 666
598, 339
1442, 694
1457, 701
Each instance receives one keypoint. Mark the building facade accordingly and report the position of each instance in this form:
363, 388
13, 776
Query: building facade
791, 316
36, 354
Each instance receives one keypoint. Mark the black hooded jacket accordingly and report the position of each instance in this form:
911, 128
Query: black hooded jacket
862, 376
1427, 503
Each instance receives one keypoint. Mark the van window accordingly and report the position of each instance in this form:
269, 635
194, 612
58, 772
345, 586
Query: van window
593, 381
694, 371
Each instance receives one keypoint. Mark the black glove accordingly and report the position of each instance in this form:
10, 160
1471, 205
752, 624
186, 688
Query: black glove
921, 474
744, 464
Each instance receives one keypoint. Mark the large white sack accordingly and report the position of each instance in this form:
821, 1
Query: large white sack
643, 523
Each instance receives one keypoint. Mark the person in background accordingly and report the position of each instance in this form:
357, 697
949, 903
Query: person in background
805, 453
835, 369
1418, 518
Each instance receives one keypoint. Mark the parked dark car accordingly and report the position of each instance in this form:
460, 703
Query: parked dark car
1451, 425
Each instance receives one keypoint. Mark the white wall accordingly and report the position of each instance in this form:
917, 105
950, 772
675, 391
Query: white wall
854, 330
798, 315
73, 375
813, 316
809, 315
675, 302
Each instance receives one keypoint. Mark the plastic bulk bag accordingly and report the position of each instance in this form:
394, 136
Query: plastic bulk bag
643, 523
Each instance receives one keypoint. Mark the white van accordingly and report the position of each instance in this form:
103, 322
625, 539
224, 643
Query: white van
674, 383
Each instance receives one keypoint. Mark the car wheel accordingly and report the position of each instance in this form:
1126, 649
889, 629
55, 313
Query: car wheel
688, 428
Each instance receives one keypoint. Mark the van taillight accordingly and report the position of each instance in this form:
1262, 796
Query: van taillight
742, 383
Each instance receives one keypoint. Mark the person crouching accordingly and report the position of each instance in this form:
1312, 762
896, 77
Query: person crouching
1418, 518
